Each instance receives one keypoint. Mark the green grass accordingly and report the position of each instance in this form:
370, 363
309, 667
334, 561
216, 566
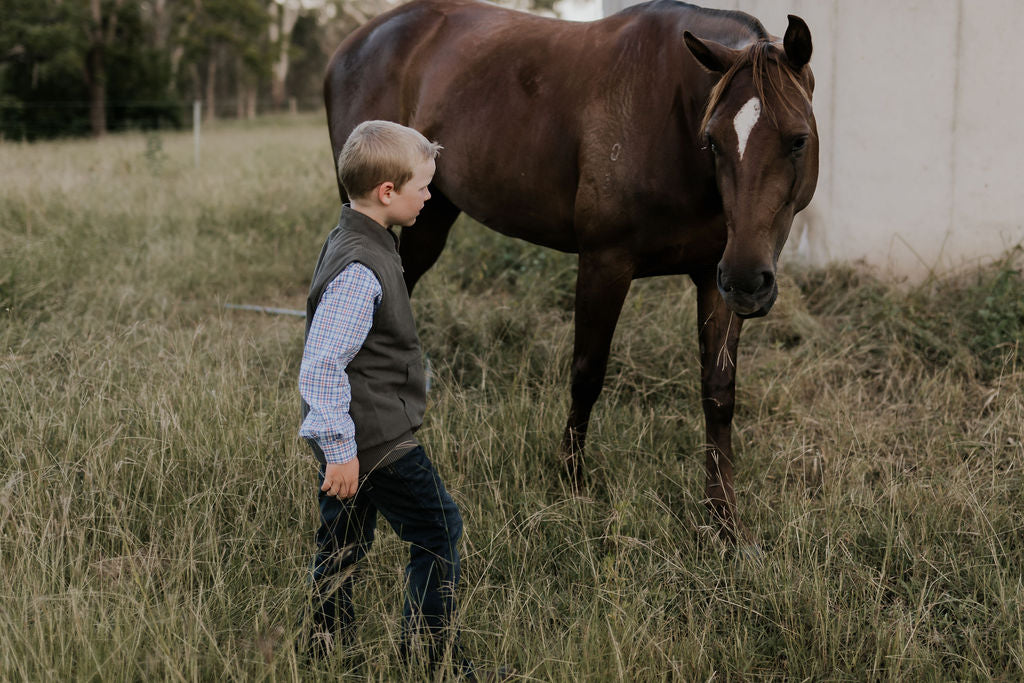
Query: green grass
157, 509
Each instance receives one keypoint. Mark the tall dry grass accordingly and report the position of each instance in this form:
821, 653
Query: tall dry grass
156, 509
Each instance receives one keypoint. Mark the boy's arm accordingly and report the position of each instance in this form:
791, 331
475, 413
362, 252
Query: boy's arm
340, 325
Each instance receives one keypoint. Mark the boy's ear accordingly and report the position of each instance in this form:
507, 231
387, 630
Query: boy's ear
384, 191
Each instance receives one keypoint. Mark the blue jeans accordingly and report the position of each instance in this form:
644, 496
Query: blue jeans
411, 497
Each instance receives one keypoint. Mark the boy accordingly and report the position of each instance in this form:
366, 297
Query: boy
363, 391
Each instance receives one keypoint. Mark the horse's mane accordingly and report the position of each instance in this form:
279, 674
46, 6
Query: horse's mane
769, 70
742, 25
744, 21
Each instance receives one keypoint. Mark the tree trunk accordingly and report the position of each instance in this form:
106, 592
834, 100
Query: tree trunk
211, 88
96, 73
101, 33
176, 55
97, 79
240, 100
281, 27
197, 89
161, 25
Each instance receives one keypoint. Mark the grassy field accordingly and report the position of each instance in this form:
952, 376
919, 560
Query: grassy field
157, 509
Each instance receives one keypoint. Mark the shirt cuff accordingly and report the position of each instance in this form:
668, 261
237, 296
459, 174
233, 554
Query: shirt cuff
337, 452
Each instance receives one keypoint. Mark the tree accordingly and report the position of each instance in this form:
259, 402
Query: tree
226, 35
63, 62
284, 14
102, 29
165, 22
78, 67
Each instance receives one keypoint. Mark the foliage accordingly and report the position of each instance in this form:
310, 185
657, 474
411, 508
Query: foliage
152, 63
214, 28
997, 323
43, 60
156, 507
311, 47
44, 45
161, 55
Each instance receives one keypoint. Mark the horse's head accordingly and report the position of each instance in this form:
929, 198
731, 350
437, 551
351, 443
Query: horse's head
760, 127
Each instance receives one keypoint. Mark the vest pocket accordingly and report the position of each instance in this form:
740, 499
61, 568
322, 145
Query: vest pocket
413, 394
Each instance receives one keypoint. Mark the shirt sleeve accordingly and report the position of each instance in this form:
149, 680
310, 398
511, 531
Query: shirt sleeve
340, 325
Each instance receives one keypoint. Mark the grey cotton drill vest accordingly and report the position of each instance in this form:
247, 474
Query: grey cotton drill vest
388, 383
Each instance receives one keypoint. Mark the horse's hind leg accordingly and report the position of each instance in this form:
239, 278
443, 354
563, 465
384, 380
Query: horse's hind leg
424, 241
601, 287
719, 333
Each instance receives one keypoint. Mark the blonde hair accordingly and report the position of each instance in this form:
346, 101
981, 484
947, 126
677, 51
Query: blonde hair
381, 151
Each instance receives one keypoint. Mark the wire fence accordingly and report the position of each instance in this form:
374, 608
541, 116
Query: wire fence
32, 120
223, 104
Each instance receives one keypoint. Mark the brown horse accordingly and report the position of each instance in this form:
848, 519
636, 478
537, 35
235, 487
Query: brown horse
665, 139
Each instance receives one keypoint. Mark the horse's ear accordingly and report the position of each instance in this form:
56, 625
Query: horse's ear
797, 43
714, 57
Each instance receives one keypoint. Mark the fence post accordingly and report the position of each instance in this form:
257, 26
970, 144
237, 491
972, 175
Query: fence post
196, 111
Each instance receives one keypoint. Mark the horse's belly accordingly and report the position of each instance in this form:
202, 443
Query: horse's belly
513, 196
519, 219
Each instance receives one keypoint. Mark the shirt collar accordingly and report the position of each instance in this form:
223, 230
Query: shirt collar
364, 225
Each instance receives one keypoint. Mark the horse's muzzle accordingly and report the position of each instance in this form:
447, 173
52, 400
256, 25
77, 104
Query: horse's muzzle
750, 294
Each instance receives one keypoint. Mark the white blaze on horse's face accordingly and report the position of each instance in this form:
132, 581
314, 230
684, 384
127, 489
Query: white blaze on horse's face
745, 121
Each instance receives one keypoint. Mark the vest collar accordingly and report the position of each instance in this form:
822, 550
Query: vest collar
364, 225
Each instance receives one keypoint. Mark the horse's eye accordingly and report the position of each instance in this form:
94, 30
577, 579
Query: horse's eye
799, 144
712, 145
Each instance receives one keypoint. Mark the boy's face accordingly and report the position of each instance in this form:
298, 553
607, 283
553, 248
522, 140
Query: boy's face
408, 201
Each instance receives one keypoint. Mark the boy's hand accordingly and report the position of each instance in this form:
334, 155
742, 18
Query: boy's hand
342, 479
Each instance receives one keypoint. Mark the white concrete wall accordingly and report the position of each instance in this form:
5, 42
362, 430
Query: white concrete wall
919, 108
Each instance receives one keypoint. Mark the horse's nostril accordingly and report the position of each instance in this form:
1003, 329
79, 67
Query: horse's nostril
755, 284
726, 287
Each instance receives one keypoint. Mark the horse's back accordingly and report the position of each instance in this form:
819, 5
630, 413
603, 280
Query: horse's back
364, 70
406, 62
490, 85
531, 110
385, 67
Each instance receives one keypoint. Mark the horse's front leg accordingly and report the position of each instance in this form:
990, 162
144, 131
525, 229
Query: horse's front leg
601, 286
719, 334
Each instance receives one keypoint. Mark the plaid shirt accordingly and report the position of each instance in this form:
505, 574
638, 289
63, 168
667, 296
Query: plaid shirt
340, 325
